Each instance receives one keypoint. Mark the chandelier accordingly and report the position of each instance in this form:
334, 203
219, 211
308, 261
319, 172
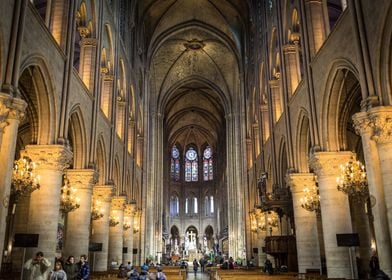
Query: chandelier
96, 210
352, 180
272, 219
24, 181
69, 202
127, 225
114, 221
311, 200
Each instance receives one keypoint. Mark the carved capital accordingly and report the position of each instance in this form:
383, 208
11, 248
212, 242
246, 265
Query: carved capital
118, 203
381, 122
85, 42
327, 163
129, 210
52, 157
274, 83
290, 48
82, 178
300, 181
103, 193
362, 123
11, 108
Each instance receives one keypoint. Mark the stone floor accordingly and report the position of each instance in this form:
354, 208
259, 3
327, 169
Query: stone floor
198, 276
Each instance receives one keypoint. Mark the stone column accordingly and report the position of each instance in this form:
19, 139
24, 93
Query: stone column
364, 127
335, 210
265, 119
100, 227
128, 232
88, 48
44, 212
116, 230
136, 237
316, 22
77, 228
293, 72
308, 248
276, 99
11, 113
139, 151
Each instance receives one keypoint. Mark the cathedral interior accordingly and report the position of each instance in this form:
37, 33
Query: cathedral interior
175, 129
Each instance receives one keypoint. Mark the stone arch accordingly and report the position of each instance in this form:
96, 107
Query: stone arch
341, 82
303, 141
101, 161
117, 175
35, 85
78, 138
283, 165
384, 75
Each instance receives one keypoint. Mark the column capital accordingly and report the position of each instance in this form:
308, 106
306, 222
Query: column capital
362, 123
300, 181
290, 48
381, 122
274, 83
53, 157
88, 42
327, 163
104, 192
129, 210
82, 178
11, 108
118, 202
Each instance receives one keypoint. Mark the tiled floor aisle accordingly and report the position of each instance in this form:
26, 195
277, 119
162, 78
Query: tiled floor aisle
198, 276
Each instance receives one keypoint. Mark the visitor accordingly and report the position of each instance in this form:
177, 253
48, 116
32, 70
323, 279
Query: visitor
195, 266
37, 268
84, 268
58, 273
374, 265
160, 274
71, 268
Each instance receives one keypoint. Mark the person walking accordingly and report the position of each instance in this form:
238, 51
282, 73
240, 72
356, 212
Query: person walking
195, 266
37, 268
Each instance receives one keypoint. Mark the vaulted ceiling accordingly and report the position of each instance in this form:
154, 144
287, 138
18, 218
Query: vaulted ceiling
194, 56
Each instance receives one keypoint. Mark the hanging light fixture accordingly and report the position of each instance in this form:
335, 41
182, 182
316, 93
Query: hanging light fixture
311, 200
352, 180
24, 179
69, 201
272, 219
114, 220
96, 210
127, 224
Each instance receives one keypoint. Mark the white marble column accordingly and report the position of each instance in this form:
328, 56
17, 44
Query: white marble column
44, 212
128, 232
78, 221
364, 127
11, 113
100, 227
335, 210
116, 230
308, 248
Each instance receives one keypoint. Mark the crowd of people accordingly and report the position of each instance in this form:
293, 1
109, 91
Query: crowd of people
39, 268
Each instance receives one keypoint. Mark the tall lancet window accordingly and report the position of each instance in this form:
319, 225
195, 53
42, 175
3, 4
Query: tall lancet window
175, 164
191, 166
174, 206
208, 167
195, 208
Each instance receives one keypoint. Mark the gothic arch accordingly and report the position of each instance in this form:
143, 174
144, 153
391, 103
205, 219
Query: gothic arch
36, 86
384, 75
101, 160
77, 132
335, 104
283, 165
302, 141
117, 175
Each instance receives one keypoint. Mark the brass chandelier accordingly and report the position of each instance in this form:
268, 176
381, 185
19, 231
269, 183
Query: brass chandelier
311, 200
96, 210
114, 221
69, 201
24, 179
352, 180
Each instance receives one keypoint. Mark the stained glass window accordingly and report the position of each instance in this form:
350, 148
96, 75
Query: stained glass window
191, 166
175, 164
208, 167
195, 208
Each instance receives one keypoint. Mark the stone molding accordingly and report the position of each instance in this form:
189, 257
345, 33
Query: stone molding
103, 192
88, 42
300, 181
118, 202
290, 48
327, 163
82, 178
52, 157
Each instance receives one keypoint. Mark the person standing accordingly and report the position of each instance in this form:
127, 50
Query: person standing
71, 268
374, 265
84, 268
58, 273
37, 268
195, 266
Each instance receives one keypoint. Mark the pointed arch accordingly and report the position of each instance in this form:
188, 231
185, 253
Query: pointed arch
303, 141
78, 138
101, 160
283, 165
117, 175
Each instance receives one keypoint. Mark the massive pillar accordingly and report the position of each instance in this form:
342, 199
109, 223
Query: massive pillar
128, 232
116, 223
308, 248
364, 128
78, 221
100, 227
44, 212
335, 210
